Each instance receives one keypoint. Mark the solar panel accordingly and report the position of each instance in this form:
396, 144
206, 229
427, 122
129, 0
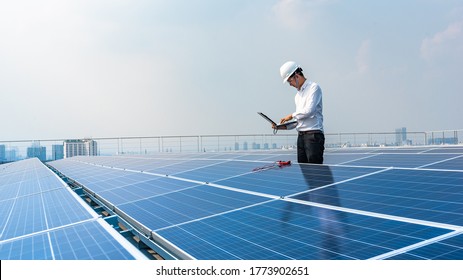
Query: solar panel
298, 178
374, 203
186, 205
286, 230
400, 160
447, 249
211, 173
143, 190
420, 194
443, 150
84, 241
454, 163
42, 219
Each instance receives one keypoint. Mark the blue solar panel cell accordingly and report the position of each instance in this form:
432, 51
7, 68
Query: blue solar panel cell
5, 208
26, 188
10, 191
216, 172
400, 160
441, 150
36, 247
297, 178
406, 256
39, 212
455, 163
415, 194
448, 249
333, 158
216, 243
116, 182
62, 208
182, 206
221, 156
181, 166
400, 150
86, 241
144, 190
83, 241
440, 251
284, 230
50, 182
455, 241
27, 216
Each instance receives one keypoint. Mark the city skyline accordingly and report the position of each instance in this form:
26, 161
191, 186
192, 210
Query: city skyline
90, 69
12, 151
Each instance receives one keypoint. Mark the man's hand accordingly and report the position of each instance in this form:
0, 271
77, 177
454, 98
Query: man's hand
287, 118
281, 127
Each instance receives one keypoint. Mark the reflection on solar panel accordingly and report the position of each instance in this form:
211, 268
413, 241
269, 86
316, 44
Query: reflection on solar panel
362, 204
42, 219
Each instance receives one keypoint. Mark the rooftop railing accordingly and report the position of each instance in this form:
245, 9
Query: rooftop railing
18, 149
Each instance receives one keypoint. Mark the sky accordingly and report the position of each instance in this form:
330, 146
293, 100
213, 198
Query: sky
123, 68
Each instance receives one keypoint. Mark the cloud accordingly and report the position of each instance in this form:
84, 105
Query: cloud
447, 43
293, 13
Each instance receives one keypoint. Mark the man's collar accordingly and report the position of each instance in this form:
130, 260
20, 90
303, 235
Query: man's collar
304, 85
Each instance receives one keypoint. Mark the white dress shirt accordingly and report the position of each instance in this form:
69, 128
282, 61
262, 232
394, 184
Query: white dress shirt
309, 107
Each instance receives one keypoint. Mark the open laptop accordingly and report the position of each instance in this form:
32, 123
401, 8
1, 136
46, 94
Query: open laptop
278, 126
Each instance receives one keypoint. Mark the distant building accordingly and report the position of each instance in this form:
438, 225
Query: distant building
442, 141
57, 151
80, 147
2, 153
37, 151
401, 136
11, 154
237, 146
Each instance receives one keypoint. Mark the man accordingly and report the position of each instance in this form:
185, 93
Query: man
308, 114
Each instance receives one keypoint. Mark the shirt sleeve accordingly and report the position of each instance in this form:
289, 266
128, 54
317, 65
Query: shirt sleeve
308, 103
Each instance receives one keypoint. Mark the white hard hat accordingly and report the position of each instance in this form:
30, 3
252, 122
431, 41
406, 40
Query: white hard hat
287, 69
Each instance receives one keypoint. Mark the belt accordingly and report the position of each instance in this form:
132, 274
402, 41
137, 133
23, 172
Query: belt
309, 132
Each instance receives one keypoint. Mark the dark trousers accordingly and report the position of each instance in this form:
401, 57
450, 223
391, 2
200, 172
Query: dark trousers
310, 147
